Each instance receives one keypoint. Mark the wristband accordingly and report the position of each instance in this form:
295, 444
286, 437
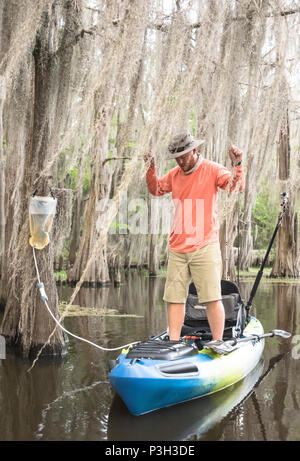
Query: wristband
236, 164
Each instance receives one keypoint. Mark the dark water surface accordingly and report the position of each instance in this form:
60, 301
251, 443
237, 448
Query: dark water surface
71, 399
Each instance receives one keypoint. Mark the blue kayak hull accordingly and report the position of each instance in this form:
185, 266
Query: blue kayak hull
188, 421
144, 386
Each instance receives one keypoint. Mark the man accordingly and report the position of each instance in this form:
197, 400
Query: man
194, 249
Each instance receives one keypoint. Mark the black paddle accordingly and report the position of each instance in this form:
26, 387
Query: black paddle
284, 197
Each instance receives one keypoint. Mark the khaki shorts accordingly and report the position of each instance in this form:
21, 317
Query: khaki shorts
203, 266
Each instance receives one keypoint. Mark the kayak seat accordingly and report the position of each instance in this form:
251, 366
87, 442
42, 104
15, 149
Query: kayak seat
195, 312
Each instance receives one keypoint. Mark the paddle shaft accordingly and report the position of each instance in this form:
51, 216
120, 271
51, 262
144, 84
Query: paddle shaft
284, 196
260, 272
250, 338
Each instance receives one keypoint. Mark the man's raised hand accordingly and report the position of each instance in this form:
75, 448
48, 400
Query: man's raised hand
235, 155
149, 159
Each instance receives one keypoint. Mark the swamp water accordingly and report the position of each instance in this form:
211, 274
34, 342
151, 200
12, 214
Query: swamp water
71, 399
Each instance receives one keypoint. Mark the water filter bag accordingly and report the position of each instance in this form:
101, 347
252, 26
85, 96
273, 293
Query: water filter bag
41, 213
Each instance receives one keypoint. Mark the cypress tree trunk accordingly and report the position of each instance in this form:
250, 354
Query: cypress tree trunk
153, 257
286, 262
75, 231
227, 241
97, 271
2, 176
37, 106
26, 323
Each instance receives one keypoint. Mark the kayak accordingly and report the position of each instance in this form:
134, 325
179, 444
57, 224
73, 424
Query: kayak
157, 373
188, 421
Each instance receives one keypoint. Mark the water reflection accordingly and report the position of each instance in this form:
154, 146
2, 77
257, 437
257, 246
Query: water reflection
286, 297
71, 399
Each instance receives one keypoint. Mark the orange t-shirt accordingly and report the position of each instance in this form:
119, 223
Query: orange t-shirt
195, 198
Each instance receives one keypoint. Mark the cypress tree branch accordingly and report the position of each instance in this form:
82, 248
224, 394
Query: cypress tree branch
164, 27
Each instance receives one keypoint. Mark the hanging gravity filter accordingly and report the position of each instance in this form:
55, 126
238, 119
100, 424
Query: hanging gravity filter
41, 213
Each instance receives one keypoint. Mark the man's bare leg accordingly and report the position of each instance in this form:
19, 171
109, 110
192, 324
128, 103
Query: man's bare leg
176, 314
216, 318
215, 315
